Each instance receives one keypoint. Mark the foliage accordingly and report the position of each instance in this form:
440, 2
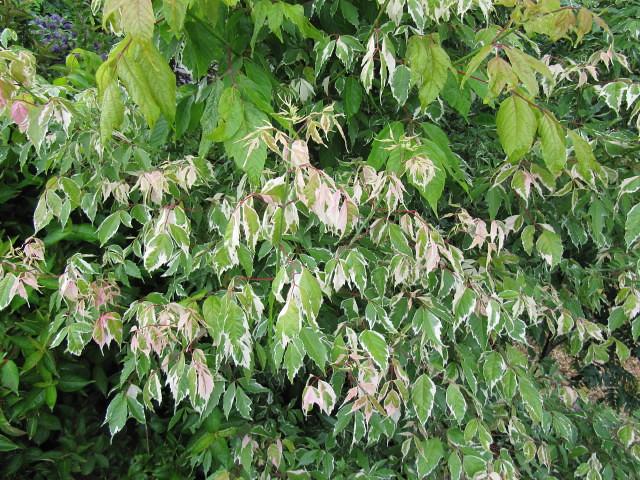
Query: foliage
338, 239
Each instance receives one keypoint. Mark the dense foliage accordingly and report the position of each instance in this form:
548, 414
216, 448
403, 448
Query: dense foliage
332, 239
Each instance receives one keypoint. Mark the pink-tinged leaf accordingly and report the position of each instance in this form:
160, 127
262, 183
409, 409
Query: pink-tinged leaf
327, 397
392, 405
310, 398
34, 249
18, 289
108, 327
204, 377
29, 278
20, 115
274, 453
299, 153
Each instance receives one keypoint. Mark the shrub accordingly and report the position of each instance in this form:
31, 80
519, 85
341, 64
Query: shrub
339, 239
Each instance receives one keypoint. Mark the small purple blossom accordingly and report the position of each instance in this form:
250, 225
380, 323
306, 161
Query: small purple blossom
54, 33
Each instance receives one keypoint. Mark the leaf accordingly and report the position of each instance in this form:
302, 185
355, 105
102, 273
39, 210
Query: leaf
376, 345
521, 184
7, 289
631, 226
289, 322
398, 240
108, 228
527, 238
434, 188
236, 332
323, 49
431, 327
452, 160
429, 456
230, 114
516, 124
456, 402
314, 347
7, 445
501, 76
310, 295
9, 376
429, 65
455, 466
553, 143
422, 396
464, 305
400, 79
493, 369
138, 18
117, 413
380, 148
158, 252
249, 157
228, 399
475, 62
146, 76
531, 398
352, 96
346, 49
174, 13
549, 246
587, 166
112, 111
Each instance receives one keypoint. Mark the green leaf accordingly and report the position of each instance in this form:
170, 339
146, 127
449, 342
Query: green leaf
434, 188
108, 227
174, 13
549, 246
230, 114
138, 18
527, 238
314, 347
9, 376
117, 413
586, 163
310, 295
553, 142
400, 79
381, 144
289, 322
352, 96
429, 456
346, 49
158, 252
112, 111
431, 327
464, 305
7, 445
376, 345
456, 402
493, 369
632, 225
516, 124
422, 396
146, 76
476, 60
429, 65
398, 240
228, 399
455, 466
531, 398
235, 329
452, 160
7, 289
